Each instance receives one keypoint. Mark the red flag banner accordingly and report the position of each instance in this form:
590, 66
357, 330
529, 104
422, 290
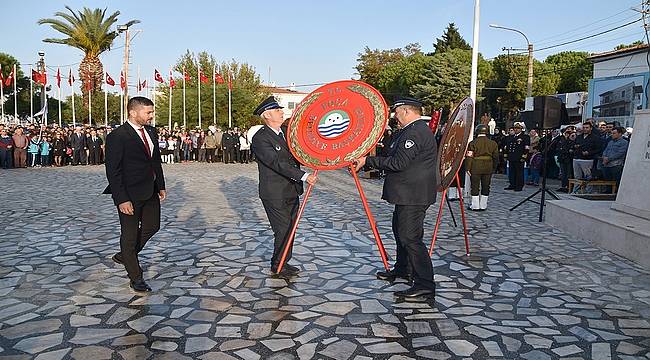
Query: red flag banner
70, 78
88, 85
157, 76
172, 82
186, 75
204, 79
109, 80
2, 79
58, 78
39, 77
9, 79
122, 81
218, 78
143, 84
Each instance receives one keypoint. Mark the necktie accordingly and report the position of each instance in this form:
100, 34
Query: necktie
146, 143
282, 135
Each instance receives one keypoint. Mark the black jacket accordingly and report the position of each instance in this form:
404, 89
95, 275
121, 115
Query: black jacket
129, 170
411, 166
78, 141
592, 144
280, 172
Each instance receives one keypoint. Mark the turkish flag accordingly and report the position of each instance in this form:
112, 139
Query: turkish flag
58, 78
70, 78
9, 78
88, 84
435, 120
186, 75
204, 79
122, 81
109, 80
172, 83
157, 76
218, 78
2, 80
38, 77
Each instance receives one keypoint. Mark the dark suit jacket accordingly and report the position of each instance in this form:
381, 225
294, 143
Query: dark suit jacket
410, 165
280, 172
78, 142
94, 145
130, 172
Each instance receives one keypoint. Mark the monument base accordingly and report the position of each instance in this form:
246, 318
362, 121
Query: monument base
619, 232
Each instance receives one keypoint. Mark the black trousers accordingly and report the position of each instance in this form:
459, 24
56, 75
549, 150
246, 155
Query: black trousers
412, 254
281, 213
136, 230
210, 155
94, 158
566, 169
516, 174
78, 156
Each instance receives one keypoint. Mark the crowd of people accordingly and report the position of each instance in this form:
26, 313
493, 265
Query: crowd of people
43, 146
584, 151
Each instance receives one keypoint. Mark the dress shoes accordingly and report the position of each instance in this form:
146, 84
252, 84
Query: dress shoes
286, 270
140, 285
392, 275
117, 258
509, 188
519, 190
416, 291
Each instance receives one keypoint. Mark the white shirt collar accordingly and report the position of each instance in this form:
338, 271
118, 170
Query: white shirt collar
135, 126
277, 132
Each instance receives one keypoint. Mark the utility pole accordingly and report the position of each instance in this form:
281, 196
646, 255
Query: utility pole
529, 85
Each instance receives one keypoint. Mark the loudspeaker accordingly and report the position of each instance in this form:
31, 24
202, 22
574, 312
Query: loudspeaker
548, 113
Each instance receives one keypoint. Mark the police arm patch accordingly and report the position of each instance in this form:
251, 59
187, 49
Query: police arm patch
409, 144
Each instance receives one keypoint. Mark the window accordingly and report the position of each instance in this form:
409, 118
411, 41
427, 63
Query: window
291, 105
623, 94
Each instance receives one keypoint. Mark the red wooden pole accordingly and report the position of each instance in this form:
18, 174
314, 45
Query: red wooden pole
285, 252
462, 214
438, 219
371, 219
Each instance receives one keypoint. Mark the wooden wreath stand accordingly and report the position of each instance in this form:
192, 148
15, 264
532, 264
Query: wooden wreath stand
371, 220
462, 215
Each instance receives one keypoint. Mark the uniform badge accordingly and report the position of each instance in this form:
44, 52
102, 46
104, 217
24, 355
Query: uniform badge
277, 148
409, 144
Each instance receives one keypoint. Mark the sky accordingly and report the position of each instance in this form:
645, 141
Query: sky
308, 42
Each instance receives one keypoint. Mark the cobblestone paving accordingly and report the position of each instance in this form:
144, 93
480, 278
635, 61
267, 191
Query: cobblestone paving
526, 292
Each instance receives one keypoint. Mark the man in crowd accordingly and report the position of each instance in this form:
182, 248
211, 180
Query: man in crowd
587, 149
516, 152
481, 162
564, 150
411, 185
94, 148
78, 144
614, 156
6, 146
20, 148
210, 146
280, 179
137, 184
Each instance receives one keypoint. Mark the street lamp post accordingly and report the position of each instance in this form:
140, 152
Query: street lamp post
529, 89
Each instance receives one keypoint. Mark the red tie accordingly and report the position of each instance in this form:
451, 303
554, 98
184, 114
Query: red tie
146, 143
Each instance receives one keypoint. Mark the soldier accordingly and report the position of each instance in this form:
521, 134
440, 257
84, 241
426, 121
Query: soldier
411, 184
516, 154
481, 162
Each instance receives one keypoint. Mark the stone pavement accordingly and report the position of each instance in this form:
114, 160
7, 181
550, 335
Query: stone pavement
527, 291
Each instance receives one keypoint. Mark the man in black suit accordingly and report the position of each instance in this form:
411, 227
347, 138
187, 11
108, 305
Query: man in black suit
78, 145
411, 185
280, 178
94, 148
136, 182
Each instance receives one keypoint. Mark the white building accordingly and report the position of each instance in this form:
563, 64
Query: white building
617, 88
287, 98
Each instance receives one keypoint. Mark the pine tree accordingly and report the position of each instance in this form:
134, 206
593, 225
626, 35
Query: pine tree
451, 39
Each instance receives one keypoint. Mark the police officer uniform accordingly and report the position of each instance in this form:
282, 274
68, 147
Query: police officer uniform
481, 161
280, 183
516, 154
411, 185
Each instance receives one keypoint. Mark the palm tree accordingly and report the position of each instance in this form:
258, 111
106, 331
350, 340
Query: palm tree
90, 31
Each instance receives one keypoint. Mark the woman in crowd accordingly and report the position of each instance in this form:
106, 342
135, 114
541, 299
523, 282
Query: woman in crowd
58, 149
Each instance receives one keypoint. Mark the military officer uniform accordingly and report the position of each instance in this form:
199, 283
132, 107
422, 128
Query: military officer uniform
481, 161
280, 182
516, 154
411, 185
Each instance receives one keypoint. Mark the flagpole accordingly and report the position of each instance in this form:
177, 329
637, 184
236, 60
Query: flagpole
15, 76
229, 100
198, 82
105, 100
139, 87
2, 95
31, 94
74, 116
184, 115
171, 89
153, 98
214, 95
58, 83
122, 107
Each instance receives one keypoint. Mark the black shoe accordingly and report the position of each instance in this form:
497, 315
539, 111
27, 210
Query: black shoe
392, 275
117, 258
519, 189
509, 188
291, 268
286, 270
140, 285
416, 291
